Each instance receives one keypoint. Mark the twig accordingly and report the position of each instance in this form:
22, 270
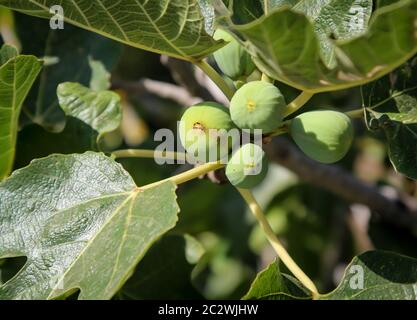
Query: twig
194, 80
400, 212
183, 74
158, 88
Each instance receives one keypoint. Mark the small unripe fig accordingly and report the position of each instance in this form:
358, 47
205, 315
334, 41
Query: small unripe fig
247, 167
232, 59
325, 136
203, 131
258, 105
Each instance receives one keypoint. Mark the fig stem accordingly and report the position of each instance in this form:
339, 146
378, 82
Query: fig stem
299, 102
276, 244
216, 78
143, 153
283, 129
357, 113
265, 78
190, 174
266, 7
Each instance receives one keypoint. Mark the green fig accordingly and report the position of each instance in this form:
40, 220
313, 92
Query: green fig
325, 136
247, 167
258, 105
203, 131
232, 59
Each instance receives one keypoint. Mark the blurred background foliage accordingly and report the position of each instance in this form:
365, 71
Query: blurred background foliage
321, 231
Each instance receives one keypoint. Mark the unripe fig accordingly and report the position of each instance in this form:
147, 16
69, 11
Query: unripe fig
232, 59
258, 105
247, 167
203, 131
325, 136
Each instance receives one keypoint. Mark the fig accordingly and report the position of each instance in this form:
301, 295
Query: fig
325, 136
232, 59
258, 105
203, 131
247, 167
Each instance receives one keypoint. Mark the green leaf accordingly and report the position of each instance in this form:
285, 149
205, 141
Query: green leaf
378, 275
245, 11
335, 20
172, 27
391, 105
72, 47
382, 3
99, 109
16, 78
81, 222
165, 271
271, 284
293, 52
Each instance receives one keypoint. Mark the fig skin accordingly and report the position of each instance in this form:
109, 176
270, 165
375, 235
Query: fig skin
258, 105
203, 121
247, 167
232, 59
324, 136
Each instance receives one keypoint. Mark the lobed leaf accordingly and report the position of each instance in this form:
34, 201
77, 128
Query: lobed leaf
172, 27
333, 20
82, 224
286, 47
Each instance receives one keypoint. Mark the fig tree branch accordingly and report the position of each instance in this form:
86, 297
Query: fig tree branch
160, 89
401, 212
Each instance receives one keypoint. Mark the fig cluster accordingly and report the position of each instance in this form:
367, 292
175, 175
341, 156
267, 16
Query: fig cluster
205, 131
325, 136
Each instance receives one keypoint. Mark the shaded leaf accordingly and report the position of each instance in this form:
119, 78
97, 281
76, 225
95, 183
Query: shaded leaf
68, 53
35, 142
171, 27
16, 78
394, 95
271, 284
81, 222
391, 104
245, 11
165, 271
378, 275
